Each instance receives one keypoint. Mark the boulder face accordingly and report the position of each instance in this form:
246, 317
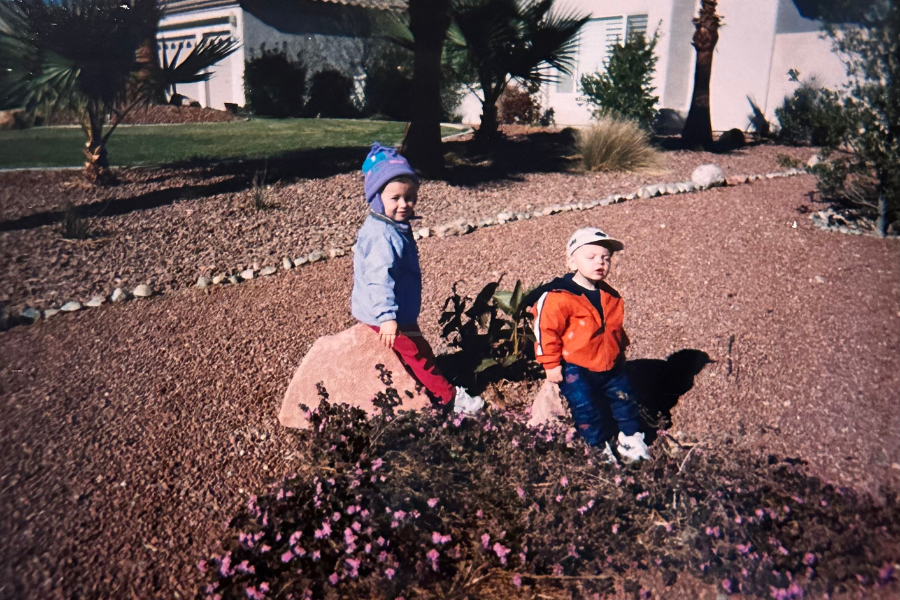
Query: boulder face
345, 364
709, 175
548, 406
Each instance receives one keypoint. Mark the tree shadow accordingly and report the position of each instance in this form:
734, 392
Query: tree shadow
659, 384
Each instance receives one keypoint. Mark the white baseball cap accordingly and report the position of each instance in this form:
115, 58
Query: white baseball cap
592, 235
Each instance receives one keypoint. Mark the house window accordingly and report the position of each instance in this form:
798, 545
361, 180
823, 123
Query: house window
636, 24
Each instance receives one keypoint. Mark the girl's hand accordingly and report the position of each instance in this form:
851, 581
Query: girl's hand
554, 375
388, 333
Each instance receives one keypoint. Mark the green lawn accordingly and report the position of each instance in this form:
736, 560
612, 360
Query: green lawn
160, 144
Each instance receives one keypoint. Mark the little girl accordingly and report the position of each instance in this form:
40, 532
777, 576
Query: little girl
387, 280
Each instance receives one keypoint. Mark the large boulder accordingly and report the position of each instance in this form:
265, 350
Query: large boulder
708, 176
345, 364
548, 406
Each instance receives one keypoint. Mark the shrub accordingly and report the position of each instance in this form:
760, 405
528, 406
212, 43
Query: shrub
519, 106
331, 95
430, 505
274, 84
624, 89
616, 144
389, 85
812, 115
72, 225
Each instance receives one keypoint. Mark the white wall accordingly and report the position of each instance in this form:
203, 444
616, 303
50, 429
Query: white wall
226, 83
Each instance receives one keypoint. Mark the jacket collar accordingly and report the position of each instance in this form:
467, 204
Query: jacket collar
403, 227
566, 283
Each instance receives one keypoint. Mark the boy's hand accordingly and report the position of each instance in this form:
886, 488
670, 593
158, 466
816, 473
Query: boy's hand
388, 333
554, 375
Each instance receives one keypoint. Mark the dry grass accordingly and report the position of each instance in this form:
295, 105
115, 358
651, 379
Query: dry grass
613, 144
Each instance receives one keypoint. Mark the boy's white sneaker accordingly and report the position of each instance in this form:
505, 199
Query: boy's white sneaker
607, 455
632, 447
464, 403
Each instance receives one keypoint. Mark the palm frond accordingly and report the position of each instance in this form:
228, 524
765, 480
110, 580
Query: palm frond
194, 66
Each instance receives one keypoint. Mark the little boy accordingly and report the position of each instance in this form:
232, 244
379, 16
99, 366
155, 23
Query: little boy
581, 344
387, 280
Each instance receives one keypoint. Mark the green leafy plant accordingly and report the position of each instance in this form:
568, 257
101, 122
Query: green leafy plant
331, 95
492, 330
624, 88
616, 144
812, 115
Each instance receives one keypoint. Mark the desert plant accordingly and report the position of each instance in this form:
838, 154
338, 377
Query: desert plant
623, 89
864, 169
275, 84
518, 105
331, 95
82, 55
812, 115
492, 330
506, 40
616, 144
432, 505
259, 191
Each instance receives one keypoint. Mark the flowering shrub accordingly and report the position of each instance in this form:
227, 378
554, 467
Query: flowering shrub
431, 504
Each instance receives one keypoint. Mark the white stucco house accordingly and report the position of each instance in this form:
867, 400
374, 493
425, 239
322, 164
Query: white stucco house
328, 33
759, 42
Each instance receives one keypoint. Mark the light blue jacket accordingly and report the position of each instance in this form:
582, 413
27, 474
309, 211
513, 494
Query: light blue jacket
387, 280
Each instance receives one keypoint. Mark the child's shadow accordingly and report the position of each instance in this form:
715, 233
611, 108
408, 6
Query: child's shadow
660, 383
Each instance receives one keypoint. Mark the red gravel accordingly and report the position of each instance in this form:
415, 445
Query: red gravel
128, 434
190, 222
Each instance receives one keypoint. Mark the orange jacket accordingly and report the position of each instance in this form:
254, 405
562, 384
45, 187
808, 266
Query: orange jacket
569, 328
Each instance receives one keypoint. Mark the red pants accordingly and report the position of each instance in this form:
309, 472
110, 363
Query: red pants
415, 352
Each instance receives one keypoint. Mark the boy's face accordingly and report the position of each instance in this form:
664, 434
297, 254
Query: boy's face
399, 199
591, 261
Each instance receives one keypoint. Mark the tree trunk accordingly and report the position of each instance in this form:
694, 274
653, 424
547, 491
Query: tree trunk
698, 126
489, 127
96, 169
881, 224
428, 21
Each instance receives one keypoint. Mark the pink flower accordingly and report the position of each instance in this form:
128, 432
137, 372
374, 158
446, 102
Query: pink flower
389, 573
480, 514
517, 580
520, 492
333, 579
316, 555
368, 548
354, 566
336, 516
265, 548
615, 528
809, 559
201, 566
564, 481
287, 556
501, 552
642, 496
376, 464
356, 526
559, 498
515, 443
324, 532
485, 540
432, 502
432, 556
726, 585
400, 514
255, 594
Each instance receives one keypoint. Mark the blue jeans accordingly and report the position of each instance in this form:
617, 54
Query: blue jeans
602, 403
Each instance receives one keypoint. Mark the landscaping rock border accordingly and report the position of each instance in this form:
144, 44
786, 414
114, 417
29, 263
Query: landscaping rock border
703, 178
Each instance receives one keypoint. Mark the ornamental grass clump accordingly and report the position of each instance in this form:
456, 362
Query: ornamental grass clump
431, 504
616, 144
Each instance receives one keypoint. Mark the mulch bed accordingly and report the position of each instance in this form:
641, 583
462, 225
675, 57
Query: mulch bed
166, 227
131, 433
157, 115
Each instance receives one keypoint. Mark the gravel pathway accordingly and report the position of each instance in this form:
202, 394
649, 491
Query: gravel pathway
167, 227
129, 434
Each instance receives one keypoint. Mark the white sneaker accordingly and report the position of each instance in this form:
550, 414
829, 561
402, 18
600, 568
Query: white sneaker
464, 403
632, 447
607, 456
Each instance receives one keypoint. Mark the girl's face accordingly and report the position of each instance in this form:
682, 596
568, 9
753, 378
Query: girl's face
399, 199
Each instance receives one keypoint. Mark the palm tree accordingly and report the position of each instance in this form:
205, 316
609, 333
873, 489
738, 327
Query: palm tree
698, 126
82, 56
504, 40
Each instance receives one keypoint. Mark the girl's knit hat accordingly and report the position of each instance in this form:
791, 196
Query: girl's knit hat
383, 164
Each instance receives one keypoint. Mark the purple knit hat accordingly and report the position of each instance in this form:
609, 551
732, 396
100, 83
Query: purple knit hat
383, 164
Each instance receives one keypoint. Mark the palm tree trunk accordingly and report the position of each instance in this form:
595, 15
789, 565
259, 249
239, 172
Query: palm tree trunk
428, 21
488, 129
96, 169
698, 126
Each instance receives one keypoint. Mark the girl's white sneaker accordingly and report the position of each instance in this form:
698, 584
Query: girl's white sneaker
464, 403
